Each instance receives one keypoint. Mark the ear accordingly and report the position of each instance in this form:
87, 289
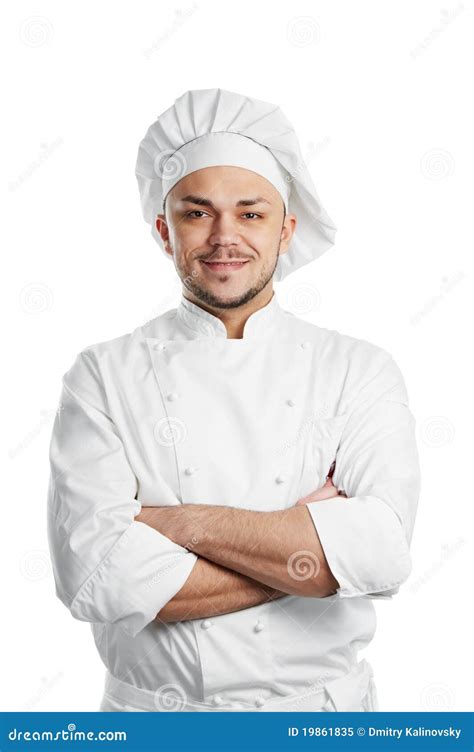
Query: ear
287, 232
163, 231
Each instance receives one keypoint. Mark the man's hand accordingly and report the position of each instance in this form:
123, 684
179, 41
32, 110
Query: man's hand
328, 491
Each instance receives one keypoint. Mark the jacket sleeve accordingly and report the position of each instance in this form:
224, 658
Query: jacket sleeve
366, 538
107, 567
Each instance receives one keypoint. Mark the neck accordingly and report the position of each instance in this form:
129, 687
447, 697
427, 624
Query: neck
234, 318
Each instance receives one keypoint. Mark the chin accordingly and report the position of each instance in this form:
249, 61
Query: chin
227, 299
219, 298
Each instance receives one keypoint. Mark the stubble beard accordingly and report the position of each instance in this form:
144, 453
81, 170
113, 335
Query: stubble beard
207, 297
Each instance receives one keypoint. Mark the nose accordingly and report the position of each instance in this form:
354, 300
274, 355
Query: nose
224, 232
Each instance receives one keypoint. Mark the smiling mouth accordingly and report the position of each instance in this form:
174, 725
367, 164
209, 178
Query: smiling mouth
219, 266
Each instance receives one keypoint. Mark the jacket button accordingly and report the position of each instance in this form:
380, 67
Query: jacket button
259, 702
291, 402
160, 346
259, 626
280, 479
218, 700
306, 344
190, 470
172, 396
206, 624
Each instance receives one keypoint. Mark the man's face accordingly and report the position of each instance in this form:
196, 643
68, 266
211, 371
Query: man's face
225, 228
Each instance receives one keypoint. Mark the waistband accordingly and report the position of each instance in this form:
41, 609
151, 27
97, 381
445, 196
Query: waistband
345, 693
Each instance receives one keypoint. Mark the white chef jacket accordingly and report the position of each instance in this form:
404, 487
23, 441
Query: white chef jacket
176, 412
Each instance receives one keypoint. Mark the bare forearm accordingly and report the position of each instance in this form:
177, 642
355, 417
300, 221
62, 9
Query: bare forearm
279, 549
211, 590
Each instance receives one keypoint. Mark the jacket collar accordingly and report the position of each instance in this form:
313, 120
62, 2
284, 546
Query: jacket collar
258, 324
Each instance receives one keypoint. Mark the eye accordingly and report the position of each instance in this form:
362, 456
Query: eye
253, 213
195, 211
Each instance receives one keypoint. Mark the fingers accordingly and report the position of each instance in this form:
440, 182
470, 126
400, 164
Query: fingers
326, 492
329, 483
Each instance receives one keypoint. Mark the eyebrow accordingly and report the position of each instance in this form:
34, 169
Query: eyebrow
201, 201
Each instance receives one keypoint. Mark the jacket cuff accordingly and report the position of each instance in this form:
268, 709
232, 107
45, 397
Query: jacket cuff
143, 571
364, 544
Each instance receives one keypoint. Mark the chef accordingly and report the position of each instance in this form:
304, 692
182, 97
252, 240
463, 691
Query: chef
232, 487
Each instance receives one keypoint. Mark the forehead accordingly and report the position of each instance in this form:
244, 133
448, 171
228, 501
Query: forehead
224, 183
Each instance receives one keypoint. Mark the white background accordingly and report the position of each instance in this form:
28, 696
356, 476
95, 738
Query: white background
380, 95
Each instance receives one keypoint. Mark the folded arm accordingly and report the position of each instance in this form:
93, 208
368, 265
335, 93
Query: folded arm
212, 589
280, 549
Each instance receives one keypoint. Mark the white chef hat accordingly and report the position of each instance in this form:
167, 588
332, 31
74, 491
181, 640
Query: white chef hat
209, 127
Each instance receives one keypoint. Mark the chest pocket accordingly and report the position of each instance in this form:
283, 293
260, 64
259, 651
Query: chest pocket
326, 436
